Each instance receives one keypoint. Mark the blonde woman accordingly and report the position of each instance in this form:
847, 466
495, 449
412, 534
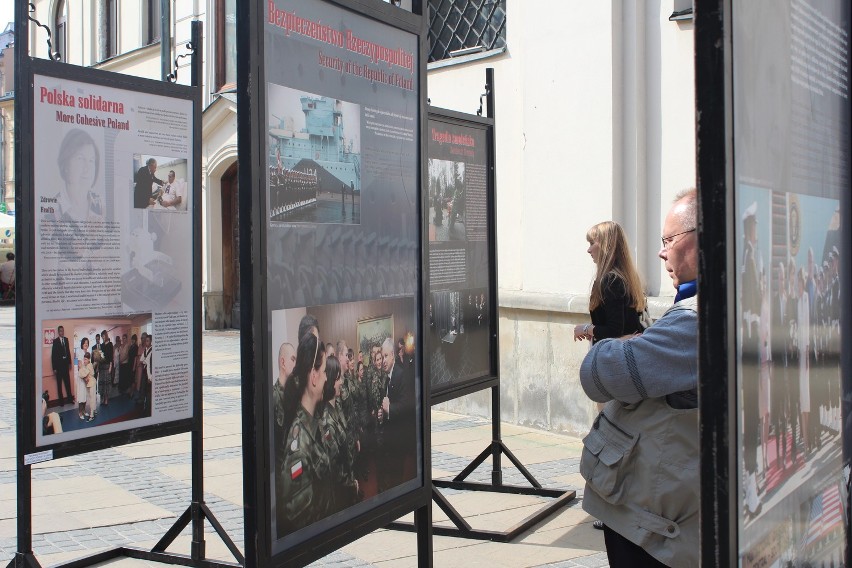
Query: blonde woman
617, 297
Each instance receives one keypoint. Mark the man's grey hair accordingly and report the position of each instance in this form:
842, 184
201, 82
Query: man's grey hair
688, 215
150, 161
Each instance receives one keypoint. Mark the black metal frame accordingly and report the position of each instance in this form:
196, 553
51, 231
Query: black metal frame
496, 449
717, 348
26, 68
254, 313
492, 379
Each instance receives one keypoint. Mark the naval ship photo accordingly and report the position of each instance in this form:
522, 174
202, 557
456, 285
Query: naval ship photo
314, 158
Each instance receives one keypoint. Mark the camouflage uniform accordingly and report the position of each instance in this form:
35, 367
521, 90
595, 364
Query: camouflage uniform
278, 426
378, 389
358, 418
303, 471
346, 400
341, 453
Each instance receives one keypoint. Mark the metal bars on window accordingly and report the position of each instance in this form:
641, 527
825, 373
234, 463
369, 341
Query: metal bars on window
462, 27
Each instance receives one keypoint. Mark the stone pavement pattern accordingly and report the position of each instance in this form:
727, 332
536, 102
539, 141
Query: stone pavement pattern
131, 495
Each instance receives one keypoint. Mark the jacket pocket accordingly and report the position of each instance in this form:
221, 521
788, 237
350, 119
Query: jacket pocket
606, 453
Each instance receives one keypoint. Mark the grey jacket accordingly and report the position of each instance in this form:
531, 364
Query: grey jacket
641, 458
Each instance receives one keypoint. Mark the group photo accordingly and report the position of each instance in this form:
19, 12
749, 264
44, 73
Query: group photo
344, 397
790, 384
95, 371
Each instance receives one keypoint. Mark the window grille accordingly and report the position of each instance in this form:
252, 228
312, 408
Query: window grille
461, 27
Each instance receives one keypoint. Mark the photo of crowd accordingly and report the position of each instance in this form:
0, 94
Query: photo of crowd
459, 332
446, 200
789, 342
95, 371
343, 407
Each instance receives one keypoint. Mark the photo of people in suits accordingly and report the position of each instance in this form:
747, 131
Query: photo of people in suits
95, 371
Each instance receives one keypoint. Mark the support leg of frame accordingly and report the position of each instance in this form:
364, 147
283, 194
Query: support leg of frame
24, 560
423, 524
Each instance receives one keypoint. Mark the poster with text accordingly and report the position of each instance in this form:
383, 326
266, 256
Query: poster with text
342, 232
113, 258
792, 155
459, 341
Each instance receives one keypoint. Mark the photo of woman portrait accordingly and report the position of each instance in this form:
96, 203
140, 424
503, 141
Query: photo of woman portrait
79, 162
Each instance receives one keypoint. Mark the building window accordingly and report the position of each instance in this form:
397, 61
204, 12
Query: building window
152, 33
226, 44
60, 28
462, 27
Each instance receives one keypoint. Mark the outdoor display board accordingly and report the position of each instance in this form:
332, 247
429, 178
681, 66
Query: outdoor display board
461, 344
773, 112
334, 265
792, 165
115, 288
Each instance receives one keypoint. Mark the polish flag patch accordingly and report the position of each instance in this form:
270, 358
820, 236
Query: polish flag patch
296, 470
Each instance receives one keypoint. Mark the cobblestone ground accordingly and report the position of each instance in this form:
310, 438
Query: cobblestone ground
153, 478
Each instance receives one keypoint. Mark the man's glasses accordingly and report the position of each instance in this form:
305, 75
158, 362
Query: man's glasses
669, 241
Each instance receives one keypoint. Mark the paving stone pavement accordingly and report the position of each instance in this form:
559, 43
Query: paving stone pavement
131, 495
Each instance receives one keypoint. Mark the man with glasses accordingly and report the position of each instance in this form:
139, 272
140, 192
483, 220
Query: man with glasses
641, 458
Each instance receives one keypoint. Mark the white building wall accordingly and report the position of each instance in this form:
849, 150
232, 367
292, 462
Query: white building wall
595, 121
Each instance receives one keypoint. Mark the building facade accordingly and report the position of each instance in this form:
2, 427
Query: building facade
595, 121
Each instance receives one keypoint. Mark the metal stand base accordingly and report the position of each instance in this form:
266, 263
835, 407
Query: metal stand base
462, 528
158, 553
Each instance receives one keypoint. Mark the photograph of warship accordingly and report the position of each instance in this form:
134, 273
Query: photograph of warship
314, 158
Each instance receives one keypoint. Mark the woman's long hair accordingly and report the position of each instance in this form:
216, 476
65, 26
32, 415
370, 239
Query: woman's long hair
615, 257
308, 357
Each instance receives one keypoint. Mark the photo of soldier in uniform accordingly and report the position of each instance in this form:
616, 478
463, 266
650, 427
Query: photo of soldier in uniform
314, 162
447, 204
343, 407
